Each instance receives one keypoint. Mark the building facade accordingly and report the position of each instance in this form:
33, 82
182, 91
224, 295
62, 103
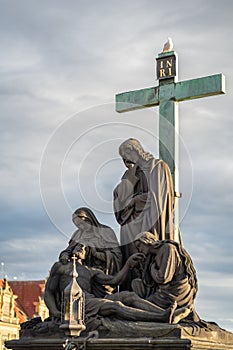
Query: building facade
19, 302
10, 314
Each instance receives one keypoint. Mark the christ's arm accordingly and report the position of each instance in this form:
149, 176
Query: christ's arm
101, 278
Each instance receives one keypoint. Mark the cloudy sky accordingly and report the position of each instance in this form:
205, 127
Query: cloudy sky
62, 62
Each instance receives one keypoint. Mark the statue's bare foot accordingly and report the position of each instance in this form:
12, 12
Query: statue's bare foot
179, 314
171, 311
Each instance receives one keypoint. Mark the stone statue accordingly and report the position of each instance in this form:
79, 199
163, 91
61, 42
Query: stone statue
168, 273
103, 251
144, 199
124, 305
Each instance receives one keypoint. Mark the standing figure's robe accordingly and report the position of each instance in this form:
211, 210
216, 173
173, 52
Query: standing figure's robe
152, 210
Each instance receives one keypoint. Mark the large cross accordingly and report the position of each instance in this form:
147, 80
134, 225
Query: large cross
167, 95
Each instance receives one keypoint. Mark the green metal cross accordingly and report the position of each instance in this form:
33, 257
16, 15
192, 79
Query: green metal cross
166, 96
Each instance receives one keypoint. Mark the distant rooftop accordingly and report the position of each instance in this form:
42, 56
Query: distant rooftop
30, 294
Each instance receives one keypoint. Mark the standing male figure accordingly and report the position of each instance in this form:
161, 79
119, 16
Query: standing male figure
144, 199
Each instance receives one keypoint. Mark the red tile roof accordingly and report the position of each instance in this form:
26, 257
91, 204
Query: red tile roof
28, 293
19, 313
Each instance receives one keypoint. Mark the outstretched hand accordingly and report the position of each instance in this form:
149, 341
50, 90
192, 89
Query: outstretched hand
135, 259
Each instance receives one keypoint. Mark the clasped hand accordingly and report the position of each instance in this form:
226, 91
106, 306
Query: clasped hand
135, 259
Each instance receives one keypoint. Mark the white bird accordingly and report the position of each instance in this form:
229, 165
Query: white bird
168, 46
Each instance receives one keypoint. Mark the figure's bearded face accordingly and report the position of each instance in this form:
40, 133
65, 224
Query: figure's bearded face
129, 156
142, 247
128, 163
80, 251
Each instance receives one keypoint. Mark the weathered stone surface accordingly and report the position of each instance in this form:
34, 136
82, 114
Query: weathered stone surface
138, 335
120, 343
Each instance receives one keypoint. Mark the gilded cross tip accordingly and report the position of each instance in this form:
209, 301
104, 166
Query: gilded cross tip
168, 46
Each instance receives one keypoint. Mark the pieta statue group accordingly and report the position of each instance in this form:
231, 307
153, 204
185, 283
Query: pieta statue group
147, 276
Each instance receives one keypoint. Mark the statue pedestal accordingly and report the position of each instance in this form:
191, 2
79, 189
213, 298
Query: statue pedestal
137, 336
119, 344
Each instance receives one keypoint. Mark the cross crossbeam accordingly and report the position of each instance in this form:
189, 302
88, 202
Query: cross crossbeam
181, 91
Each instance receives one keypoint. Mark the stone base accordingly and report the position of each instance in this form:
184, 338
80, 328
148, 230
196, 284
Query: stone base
119, 344
137, 336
